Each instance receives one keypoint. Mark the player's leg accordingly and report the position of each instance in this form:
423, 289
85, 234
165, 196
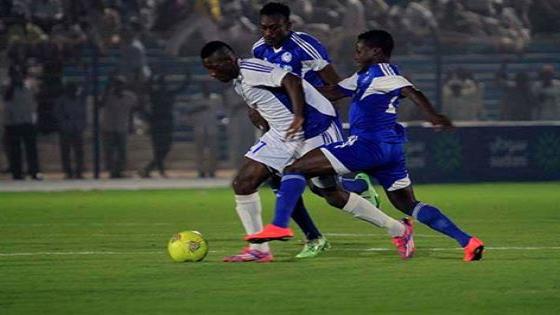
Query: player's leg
404, 200
248, 207
362, 185
315, 164
300, 214
357, 206
315, 242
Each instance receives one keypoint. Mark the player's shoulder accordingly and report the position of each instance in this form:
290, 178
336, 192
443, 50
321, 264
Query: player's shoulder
305, 37
255, 63
258, 47
255, 66
384, 70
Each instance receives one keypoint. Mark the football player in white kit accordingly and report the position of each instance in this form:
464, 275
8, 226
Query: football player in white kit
300, 119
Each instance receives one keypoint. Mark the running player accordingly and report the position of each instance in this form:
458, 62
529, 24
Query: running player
300, 120
375, 145
304, 56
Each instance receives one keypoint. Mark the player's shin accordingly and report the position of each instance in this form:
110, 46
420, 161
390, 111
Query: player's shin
304, 221
249, 210
364, 210
291, 189
432, 217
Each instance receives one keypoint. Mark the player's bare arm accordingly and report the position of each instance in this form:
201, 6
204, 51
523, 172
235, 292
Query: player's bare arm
294, 88
329, 75
332, 92
257, 120
438, 120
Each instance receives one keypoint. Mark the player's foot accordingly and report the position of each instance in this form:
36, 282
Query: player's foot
405, 243
250, 255
314, 247
369, 194
270, 232
474, 250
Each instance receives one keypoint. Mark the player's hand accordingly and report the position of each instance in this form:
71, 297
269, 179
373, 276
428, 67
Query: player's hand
295, 131
441, 122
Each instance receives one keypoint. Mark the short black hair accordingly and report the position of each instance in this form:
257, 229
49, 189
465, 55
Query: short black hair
378, 38
275, 8
214, 46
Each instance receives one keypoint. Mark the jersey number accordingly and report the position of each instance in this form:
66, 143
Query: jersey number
258, 146
391, 109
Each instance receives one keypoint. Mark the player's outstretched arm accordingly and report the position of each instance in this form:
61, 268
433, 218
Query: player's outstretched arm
329, 75
438, 120
332, 92
294, 88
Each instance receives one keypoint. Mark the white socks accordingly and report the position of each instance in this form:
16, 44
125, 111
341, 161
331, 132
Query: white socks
249, 209
364, 210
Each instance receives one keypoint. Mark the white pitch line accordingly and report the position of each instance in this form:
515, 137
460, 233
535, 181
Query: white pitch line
373, 235
86, 253
373, 249
436, 249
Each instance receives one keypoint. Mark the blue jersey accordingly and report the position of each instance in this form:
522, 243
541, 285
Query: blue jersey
300, 54
375, 98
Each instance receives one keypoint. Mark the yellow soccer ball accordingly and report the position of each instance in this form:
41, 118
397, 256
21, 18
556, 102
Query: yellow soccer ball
187, 246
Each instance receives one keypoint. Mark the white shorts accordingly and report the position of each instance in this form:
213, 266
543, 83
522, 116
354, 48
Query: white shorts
273, 151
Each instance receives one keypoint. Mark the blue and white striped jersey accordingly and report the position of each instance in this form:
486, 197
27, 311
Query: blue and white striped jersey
301, 54
259, 84
376, 93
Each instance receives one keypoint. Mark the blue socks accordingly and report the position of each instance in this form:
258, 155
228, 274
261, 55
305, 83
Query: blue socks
304, 221
300, 214
353, 185
432, 217
292, 187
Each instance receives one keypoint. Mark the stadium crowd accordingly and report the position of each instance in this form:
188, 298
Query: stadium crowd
39, 39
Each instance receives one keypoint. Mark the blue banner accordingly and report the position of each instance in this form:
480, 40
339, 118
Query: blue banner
484, 153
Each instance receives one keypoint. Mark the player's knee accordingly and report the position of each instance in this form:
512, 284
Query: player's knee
337, 199
244, 185
296, 167
405, 206
316, 190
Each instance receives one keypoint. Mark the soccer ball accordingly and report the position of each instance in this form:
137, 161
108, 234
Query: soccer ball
187, 246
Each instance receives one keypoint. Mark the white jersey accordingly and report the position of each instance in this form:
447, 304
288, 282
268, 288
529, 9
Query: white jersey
259, 84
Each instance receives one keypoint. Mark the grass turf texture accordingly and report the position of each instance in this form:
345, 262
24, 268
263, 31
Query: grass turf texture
105, 252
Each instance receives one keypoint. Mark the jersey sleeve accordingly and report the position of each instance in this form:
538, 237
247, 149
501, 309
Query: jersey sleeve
349, 85
314, 54
390, 83
259, 72
257, 49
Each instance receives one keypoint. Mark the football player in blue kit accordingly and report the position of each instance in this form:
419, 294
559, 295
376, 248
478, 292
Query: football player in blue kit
375, 145
303, 55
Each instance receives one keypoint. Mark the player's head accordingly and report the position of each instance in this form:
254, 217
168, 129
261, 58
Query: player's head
275, 23
374, 46
220, 61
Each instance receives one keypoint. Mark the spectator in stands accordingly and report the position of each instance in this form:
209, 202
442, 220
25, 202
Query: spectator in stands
547, 93
205, 107
70, 112
518, 101
117, 103
50, 85
20, 117
160, 117
133, 63
69, 38
46, 13
462, 96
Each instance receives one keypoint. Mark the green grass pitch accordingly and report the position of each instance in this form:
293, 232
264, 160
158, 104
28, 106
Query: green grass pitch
104, 252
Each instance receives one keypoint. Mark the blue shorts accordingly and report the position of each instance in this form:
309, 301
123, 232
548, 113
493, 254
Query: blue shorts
383, 160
